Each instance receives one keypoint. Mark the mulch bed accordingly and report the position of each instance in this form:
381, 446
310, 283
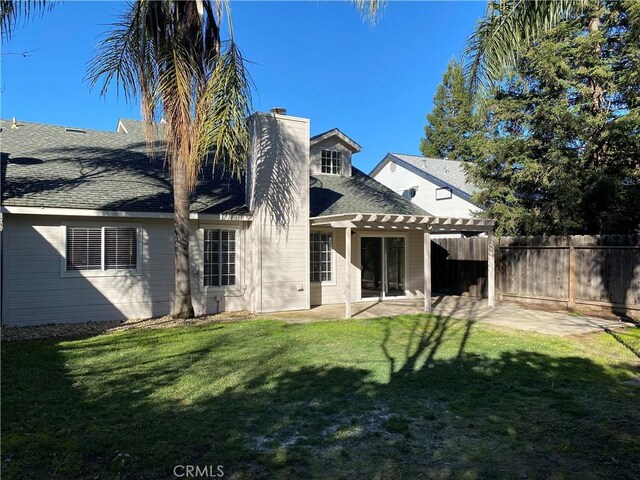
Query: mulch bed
85, 329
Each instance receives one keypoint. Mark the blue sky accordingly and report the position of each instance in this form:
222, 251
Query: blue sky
318, 59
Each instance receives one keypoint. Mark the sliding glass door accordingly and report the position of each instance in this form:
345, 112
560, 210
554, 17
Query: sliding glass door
383, 267
394, 259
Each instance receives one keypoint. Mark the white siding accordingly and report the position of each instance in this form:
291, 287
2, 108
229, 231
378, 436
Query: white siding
219, 299
329, 144
323, 294
37, 292
278, 191
333, 292
399, 179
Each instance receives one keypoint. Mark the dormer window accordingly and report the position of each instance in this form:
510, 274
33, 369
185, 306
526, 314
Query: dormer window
331, 162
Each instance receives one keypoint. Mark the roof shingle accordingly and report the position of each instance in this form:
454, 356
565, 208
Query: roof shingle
335, 194
48, 166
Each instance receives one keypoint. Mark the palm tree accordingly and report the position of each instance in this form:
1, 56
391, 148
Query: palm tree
12, 11
510, 26
507, 28
170, 55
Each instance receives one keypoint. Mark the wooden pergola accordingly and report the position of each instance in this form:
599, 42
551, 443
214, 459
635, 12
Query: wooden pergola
428, 224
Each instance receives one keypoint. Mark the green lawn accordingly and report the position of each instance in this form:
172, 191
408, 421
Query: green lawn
409, 397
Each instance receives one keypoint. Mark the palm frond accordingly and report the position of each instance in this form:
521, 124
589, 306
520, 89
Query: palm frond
224, 110
508, 27
370, 10
14, 11
170, 54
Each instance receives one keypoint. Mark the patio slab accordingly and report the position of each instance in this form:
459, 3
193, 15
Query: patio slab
467, 308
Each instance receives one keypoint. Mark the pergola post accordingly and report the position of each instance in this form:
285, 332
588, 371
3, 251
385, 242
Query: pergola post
347, 272
427, 271
491, 270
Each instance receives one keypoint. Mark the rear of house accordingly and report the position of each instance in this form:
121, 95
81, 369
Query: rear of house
88, 231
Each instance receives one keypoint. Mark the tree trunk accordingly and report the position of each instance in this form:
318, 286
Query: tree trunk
596, 88
183, 307
597, 91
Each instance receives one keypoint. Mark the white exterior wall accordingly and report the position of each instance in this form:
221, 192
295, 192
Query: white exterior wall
402, 179
330, 144
37, 290
219, 299
278, 196
333, 292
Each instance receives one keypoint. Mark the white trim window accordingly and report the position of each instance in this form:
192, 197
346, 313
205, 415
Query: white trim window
321, 257
101, 248
331, 162
219, 257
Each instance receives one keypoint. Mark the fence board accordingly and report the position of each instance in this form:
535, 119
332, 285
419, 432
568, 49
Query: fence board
607, 268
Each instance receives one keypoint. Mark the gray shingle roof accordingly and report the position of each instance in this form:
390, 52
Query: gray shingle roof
47, 166
334, 194
449, 171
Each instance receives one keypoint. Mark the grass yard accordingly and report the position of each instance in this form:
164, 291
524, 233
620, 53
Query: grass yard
409, 397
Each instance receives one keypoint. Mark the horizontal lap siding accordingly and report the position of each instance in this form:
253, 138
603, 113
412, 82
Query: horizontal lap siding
415, 264
279, 198
214, 300
334, 293
36, 293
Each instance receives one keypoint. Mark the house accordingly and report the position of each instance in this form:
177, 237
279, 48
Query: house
436, 185
88, 230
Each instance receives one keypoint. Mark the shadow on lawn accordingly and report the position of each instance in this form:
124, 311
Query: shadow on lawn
516, 414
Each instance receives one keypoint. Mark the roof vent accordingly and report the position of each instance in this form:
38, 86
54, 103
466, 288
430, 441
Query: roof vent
75, 130
279, 110
14, 124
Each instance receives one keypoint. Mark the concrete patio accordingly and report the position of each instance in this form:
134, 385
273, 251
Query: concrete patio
467, 308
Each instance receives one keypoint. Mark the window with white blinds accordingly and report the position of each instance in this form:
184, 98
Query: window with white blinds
102, 248
219, 258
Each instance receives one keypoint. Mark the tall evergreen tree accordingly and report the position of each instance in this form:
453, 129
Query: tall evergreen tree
451, 123
560, 150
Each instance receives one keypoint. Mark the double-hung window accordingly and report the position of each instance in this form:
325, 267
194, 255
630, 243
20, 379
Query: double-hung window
331, 162
321, 257
101, 248
219, 258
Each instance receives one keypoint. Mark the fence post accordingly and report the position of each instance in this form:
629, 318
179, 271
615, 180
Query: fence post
572, 274
491, 270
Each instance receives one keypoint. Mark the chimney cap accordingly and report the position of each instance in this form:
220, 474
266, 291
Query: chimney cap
279, 110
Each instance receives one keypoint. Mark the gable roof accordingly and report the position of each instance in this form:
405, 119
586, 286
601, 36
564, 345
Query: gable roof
442, 172
334, 132
48, 166
335, 194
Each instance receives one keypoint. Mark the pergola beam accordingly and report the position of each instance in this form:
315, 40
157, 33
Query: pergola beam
421, 222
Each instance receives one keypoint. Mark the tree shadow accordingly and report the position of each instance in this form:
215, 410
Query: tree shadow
121, 176
132, 406
275, 169
613, 268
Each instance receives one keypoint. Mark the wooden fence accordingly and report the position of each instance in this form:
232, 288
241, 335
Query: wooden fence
574, 270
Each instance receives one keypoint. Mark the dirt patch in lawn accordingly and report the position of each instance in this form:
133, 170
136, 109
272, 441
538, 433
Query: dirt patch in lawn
96, 328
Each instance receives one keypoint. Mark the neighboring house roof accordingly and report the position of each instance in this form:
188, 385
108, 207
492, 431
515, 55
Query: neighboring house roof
336, 194
48, 166
440, 171
334, 132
